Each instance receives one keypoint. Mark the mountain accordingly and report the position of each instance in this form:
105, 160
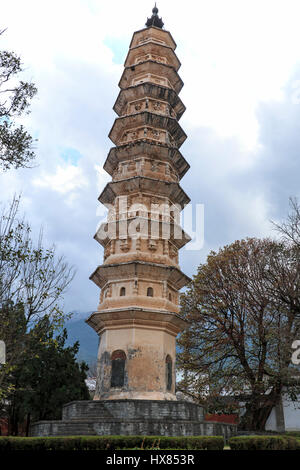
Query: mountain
88, 339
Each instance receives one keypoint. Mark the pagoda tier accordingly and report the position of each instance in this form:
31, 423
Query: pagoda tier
148, 337
136, 278
152, 51
156, 231
131, 317
157, 35
153, 72
133, 154
149, 97
138, 314
148, 126
137, 184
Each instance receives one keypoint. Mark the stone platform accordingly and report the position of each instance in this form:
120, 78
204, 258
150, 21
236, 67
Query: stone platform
132, 417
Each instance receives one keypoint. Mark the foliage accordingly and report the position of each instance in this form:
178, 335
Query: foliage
293, 433
111, 443
243, 308
32, 282
263, 443
46, 377
15, 96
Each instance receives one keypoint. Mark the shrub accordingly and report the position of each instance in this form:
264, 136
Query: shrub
293, 433
263, 443
111, 443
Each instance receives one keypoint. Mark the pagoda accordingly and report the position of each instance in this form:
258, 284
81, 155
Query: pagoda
138, 317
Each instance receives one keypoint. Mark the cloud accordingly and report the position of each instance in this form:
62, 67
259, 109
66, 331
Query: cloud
65, 180
241, 121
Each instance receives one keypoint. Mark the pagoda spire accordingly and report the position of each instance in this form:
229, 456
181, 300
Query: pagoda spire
154, 20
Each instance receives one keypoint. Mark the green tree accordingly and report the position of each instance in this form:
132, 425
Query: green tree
243, 310
46, 377
15, 96
32, 283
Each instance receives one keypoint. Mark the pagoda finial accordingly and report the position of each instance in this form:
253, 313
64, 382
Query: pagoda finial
154, 20
155, 9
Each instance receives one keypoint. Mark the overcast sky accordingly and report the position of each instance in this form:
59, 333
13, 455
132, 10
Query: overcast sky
241, 70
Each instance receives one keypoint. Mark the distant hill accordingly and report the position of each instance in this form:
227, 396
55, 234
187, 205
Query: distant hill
88, 339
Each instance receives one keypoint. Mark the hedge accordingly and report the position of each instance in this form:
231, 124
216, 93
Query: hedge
110, 443
264, 443
293, 434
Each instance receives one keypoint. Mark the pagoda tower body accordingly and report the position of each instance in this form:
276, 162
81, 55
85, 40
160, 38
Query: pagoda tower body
138, 315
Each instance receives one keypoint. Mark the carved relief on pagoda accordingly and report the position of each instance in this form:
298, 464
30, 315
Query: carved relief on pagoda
159, 36
151, 134
151, 105
152, 38
148, 249
158, 208
145, 167
152, 51
150, 77
145, 293
154, 57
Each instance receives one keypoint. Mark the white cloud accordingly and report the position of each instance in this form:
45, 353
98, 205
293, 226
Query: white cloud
64, 180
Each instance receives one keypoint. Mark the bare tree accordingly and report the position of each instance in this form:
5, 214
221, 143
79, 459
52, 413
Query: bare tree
290, 229
242, 307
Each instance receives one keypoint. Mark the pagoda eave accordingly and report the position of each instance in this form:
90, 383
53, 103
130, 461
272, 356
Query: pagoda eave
150, 67
109, 272
152, 47
149, 90
134, 317
129, 186
112, 229
142, 119
146, 149
149, 30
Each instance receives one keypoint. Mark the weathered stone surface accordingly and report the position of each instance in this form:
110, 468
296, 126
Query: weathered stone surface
144, 149
147, 72
133, 409
151, 50
132, 417
128, 99
172, 192
161, 36
147, 125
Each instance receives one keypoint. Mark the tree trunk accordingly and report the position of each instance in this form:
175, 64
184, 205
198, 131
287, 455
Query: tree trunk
27, 424
258, 411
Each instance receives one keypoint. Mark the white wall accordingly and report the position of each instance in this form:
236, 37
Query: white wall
291, 412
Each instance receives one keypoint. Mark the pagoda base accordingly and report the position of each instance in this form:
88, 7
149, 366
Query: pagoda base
132, 418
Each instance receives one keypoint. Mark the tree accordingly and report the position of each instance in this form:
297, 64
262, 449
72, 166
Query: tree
289, 230
243, 309
32, 282
15, 96
46, 377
